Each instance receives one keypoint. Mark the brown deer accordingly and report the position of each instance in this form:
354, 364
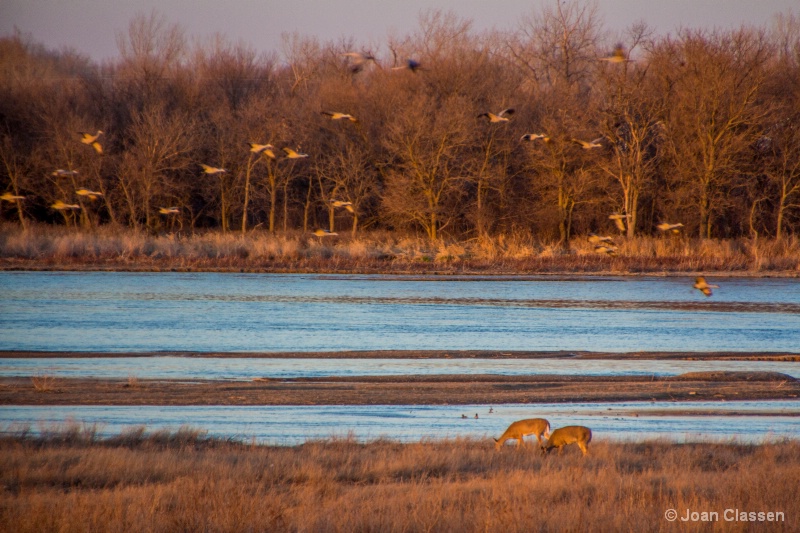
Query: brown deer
580, 435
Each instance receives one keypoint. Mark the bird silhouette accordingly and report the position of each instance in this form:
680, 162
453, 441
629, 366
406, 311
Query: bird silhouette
502, 116
265, 149
589, 145
701, 285
411, 64
61, 206
619, 220
597, 239
61, 173
291, 154
335, 115
213, 171
91, 140
92, 195
359, 60
617, 56
603, 249
340, 203
8, 197
530, 137
674, 228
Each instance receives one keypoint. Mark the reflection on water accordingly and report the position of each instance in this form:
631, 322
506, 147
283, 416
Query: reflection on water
206, 312
288, 425
251, 368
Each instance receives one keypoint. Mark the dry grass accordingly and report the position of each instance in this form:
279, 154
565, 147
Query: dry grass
187, 482
43, 383
106, 247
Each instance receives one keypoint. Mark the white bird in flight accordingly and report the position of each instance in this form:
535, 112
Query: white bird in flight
589, 145
502, 116
93, 195
291, 154
61, 206
61, 173
265, 149
212, 170
91, 140
335, 115
8, 197
701, 285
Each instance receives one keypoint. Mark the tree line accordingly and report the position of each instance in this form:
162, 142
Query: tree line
546, 130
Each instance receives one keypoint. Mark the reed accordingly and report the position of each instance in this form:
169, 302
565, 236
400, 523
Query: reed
186, 481
44, 246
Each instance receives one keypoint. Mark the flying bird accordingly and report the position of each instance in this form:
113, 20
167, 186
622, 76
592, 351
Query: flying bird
169, 210
530, 137
597, 239
359, 60
212, 170
701, 285
502, 116
324, 233
603, 249
291, 154
91, 140
411, 64
8, 197
61, 173
589, 145
265, 149
617, 56
335, 115
93, 195
61, 206
674, 228
619, 220
340, 203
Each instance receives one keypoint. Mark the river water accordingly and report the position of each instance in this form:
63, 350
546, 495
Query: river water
207, 312
204, 312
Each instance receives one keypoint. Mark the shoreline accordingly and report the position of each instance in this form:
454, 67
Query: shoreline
414, 270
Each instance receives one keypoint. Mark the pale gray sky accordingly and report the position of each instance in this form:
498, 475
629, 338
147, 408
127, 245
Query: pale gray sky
90, 26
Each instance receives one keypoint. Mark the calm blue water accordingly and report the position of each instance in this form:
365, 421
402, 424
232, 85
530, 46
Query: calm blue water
206, 312
288, 425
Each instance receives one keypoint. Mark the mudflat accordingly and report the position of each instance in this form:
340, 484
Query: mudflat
400, 390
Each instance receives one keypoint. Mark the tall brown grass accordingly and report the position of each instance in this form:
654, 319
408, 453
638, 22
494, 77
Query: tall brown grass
44, 246
188, 482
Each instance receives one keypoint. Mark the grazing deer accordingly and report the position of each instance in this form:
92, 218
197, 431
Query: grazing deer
580, 435
521, 428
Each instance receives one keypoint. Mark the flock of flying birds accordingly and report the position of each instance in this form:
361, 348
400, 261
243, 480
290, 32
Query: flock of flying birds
358, 60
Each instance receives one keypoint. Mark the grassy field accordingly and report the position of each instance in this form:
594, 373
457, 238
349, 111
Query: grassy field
69, 480
50, 247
